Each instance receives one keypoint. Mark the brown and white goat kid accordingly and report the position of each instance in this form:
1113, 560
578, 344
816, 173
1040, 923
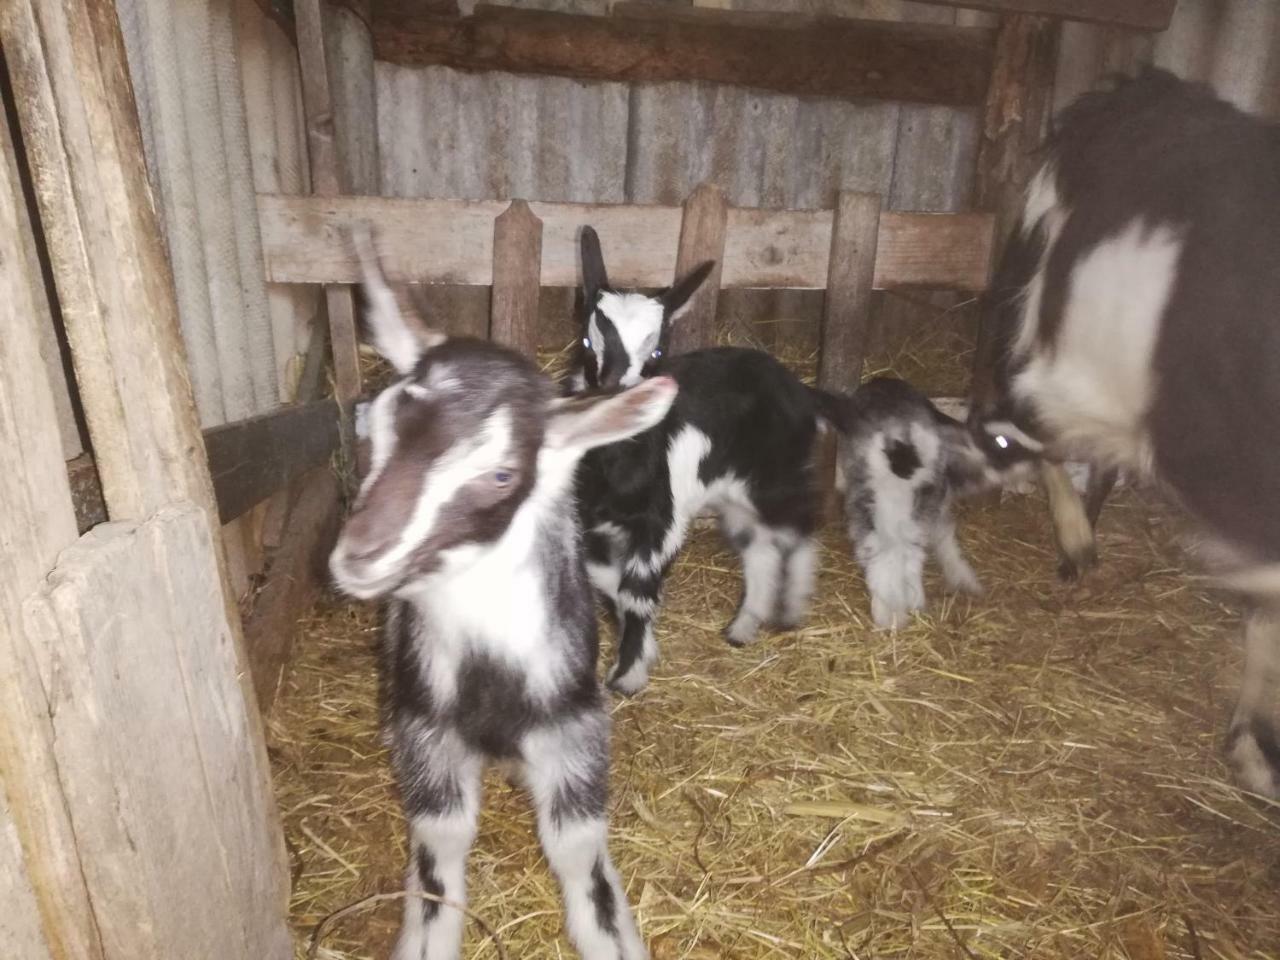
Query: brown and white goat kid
1138, 309
466, 527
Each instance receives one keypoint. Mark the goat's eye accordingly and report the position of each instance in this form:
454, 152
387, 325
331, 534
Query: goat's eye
586, 342
1002, 442
503, 478
657, 354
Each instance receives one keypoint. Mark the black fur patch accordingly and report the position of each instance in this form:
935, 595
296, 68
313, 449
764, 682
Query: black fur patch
603, 899
426, 867
904, 459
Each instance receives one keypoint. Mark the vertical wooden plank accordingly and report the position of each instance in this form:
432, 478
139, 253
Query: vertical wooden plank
1018, 104
846, 316
328, 178
702, 231
37, 521
75, 102
517, 266
854, 236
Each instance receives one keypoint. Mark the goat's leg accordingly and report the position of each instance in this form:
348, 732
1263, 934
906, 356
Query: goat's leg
762, 569
440, 786
567, 770
1071, 527
643, 562
894, 568
1253, 742
1102, 480
799, 572
604, 566
956, 571
639, 594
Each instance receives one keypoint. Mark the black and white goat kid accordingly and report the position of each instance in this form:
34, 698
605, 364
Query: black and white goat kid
465, 526
738, 442
1138, 310
900, 463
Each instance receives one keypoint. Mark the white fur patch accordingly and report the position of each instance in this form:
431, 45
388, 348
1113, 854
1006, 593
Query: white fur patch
638, 320
1094, 388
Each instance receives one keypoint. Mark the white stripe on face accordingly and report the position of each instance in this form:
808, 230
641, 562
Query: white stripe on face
463, 461
638, 320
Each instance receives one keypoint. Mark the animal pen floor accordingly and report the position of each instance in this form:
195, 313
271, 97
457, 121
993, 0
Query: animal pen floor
1035, 773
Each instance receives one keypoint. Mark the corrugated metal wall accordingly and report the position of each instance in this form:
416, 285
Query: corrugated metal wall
1234, 45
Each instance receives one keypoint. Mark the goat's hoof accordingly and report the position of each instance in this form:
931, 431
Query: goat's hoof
743, 632
635, 679
1072, 568
1254, 754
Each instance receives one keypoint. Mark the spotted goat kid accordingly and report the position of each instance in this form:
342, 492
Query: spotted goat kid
738, 443
900, 463
465, 527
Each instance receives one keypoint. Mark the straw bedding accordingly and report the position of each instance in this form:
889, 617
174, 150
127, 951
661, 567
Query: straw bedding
1035, 773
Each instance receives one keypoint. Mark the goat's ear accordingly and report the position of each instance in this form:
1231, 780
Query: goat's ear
580, 423
675, 299
594, 277
395, 327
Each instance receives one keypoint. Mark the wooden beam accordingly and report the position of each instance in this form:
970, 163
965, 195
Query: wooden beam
249, 460
831, 57
327, 179
252, 459
702, 232
1146, 15
517, 258
451, 241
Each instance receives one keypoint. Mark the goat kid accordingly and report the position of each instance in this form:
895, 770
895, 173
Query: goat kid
900, 462
738, 442
1136, 312
465, 526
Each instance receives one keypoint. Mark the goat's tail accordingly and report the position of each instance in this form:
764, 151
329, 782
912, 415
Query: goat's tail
833, 409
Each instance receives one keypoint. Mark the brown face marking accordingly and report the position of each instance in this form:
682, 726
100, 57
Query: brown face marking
455, 391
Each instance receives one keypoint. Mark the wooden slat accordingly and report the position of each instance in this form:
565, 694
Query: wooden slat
832, 57
252, 459
517, 256
451, 241
702, 234
327, 179
1148, 15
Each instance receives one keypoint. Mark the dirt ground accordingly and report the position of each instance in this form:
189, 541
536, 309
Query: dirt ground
1035, 773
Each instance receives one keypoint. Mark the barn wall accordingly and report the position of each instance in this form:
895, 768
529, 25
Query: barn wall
191, 105
1233, 45
444, 133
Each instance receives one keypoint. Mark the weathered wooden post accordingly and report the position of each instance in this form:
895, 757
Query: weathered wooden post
517, 275
855, 237
702, 233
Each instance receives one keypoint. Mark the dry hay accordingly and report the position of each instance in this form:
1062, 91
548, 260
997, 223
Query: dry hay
1032, 774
